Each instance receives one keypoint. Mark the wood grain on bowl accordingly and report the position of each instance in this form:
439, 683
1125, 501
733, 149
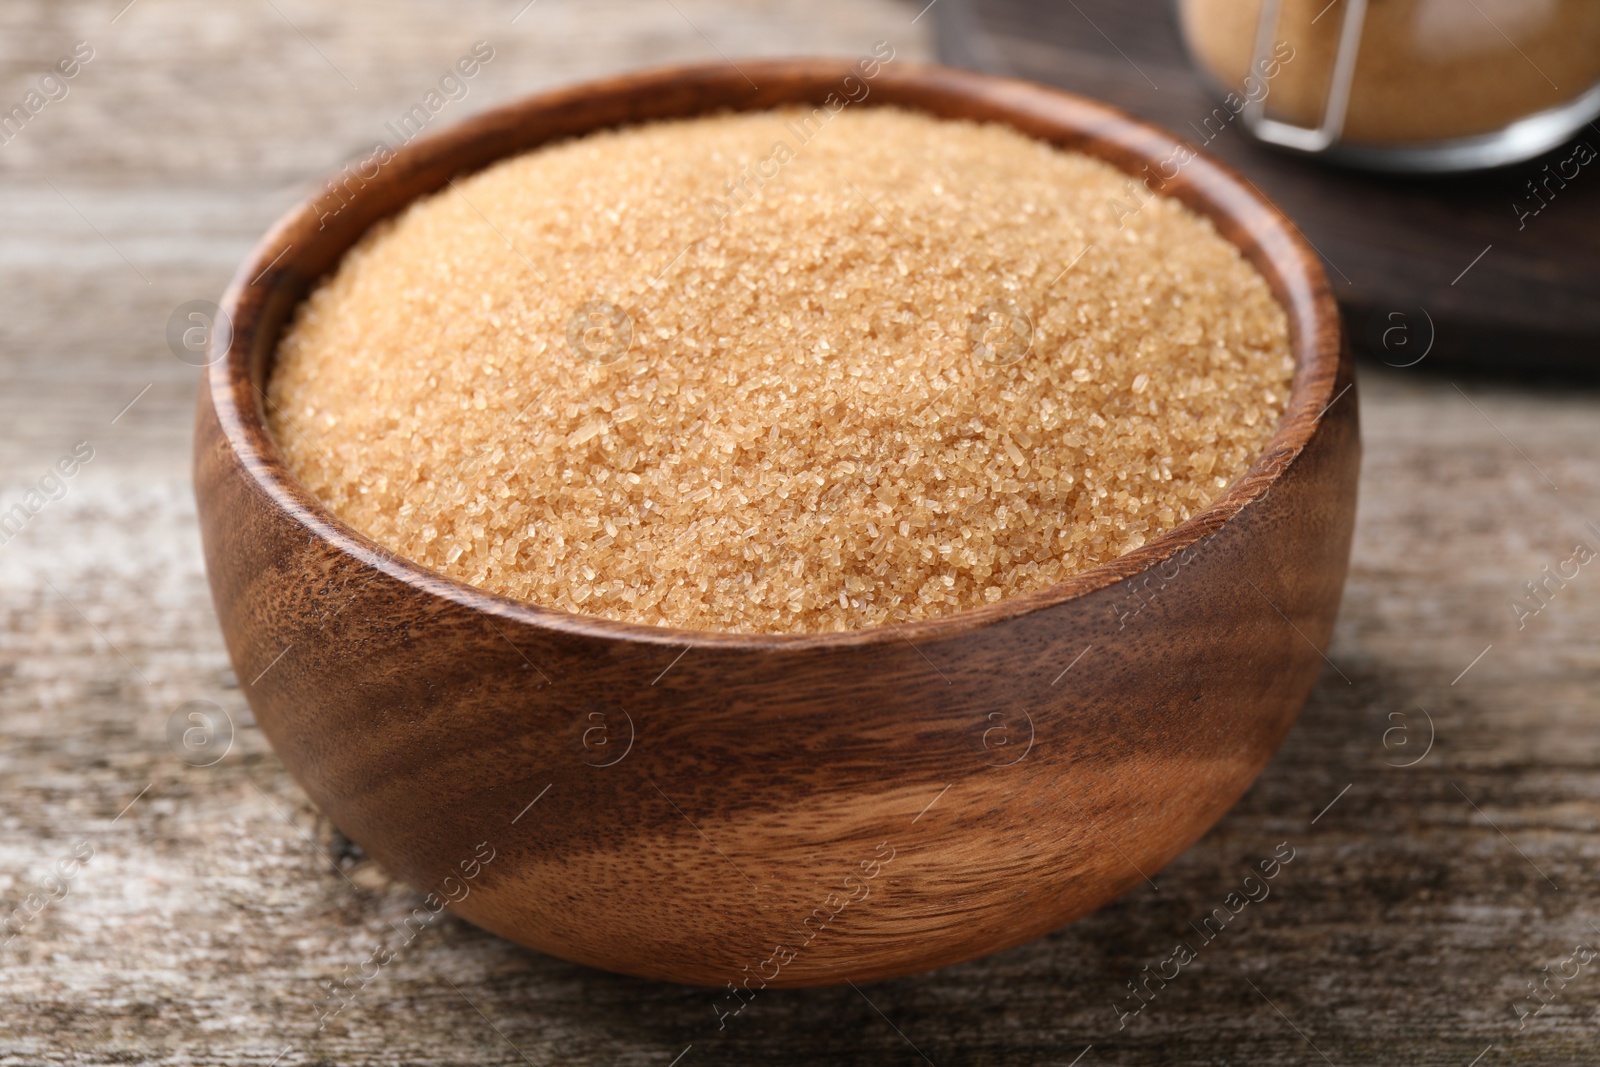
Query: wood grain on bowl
778, 809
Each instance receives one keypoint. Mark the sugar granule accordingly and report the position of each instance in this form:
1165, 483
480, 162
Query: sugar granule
770, 372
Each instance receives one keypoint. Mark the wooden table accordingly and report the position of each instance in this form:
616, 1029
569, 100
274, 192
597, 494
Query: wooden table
214, 901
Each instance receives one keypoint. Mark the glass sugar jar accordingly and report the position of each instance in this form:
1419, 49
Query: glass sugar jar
1420, 86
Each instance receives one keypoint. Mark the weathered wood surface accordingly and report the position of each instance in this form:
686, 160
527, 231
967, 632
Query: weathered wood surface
1413, 915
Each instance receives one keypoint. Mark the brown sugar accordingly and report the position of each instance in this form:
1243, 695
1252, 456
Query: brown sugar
1426, 70
776, 372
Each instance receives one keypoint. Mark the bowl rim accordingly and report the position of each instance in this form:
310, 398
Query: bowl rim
1208, 186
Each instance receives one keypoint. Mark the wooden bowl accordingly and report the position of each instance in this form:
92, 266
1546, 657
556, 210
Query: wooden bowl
778, 810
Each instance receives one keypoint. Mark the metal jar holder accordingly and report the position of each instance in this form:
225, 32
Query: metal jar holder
1523, 139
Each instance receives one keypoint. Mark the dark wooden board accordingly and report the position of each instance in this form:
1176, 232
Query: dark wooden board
1396, 248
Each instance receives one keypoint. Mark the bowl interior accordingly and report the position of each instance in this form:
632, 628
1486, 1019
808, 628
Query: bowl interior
310, 241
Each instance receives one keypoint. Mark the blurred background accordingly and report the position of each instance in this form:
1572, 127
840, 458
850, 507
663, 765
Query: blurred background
164, 901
